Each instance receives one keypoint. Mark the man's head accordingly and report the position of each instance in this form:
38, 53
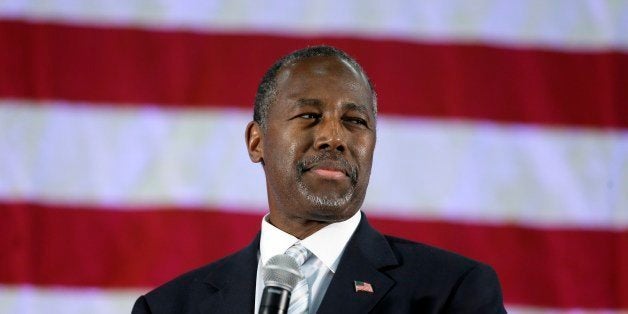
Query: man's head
314, 132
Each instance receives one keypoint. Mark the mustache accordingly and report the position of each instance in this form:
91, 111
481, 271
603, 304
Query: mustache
310, 162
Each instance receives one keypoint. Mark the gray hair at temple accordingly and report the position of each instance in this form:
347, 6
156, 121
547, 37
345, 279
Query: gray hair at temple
267, 89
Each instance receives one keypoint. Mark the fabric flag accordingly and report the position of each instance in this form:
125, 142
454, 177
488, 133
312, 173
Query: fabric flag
363, 286
502, 135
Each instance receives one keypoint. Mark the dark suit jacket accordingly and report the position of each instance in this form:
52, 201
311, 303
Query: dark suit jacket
406, 277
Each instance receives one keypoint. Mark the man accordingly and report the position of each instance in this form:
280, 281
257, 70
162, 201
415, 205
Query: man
314, 132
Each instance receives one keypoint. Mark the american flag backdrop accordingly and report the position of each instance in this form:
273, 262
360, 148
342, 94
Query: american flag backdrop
502, 135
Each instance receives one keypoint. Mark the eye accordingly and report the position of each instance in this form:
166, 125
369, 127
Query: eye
356, 120
309, 115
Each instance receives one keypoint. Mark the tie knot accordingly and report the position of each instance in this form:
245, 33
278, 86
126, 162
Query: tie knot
298, 252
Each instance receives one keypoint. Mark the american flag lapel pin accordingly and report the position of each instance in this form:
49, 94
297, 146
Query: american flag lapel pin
363, 286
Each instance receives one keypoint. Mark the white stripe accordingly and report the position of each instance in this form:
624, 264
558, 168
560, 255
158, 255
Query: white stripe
565, 24
143, 156
502, 173
31, 300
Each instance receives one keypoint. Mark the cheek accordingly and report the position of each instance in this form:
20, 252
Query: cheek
285, 155
364, 150
296, 142
287, 161
292, 150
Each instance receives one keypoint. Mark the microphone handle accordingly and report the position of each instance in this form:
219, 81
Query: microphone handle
275, 300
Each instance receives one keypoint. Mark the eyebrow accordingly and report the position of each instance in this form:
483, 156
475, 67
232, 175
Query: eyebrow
356, 107
302, 102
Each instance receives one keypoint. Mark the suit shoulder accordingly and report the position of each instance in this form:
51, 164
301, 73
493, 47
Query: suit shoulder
457, 284
192, 276
414, 253
173, 295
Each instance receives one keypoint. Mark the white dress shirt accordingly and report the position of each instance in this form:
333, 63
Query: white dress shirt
326, 246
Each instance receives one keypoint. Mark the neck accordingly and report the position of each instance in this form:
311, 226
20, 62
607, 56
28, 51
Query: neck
298, 227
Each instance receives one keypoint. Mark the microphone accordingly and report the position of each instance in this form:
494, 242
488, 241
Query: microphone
281, 274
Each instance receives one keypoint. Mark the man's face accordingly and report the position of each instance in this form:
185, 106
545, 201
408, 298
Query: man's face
318, 145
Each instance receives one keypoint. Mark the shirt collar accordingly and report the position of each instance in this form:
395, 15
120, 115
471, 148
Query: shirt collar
326, 244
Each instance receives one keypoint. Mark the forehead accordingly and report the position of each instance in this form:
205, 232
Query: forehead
320, 76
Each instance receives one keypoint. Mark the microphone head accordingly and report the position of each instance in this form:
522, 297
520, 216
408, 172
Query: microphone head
281, 271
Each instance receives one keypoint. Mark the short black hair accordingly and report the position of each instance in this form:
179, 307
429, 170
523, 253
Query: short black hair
267, 89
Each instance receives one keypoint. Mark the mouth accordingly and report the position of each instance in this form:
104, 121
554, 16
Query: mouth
329, 168
330, 173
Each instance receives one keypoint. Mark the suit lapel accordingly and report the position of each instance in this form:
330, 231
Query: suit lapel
366, 253
233, 283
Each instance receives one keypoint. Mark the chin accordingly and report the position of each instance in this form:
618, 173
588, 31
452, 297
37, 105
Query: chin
330, 208
325, 199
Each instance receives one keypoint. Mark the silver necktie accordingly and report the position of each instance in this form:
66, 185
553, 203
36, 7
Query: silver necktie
299, 299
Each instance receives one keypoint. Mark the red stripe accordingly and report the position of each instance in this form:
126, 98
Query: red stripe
94, 247
174, 68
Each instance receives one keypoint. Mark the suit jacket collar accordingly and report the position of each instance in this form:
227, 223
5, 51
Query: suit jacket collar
366, 254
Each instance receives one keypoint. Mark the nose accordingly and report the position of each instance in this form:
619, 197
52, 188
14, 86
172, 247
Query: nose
330, 136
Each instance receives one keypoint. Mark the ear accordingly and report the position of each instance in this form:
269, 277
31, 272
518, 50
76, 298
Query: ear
253, 136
